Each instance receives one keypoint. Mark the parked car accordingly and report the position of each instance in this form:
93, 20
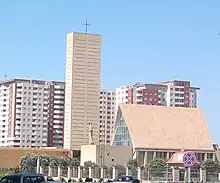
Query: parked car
23, 178
126, 178
88, 179
50, 179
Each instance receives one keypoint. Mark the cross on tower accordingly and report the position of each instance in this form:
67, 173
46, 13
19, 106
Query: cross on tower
86, 25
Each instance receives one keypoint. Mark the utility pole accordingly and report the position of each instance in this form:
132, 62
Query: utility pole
86, 26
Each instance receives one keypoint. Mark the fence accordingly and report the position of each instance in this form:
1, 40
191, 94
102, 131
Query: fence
166, 174
133, 171
158, 174
212, 176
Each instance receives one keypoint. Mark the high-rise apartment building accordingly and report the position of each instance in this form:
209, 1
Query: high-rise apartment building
170, 93
31, 113
107, 116
181, 94
82, 97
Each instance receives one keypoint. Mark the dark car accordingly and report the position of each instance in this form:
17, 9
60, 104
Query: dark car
23, 178
50, 179
126, 178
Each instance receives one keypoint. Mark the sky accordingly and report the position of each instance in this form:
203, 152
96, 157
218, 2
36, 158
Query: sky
143, 41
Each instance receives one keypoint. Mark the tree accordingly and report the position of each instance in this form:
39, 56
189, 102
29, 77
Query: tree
109, 171
44, 160
132, 163
16, 169
87, 164
63, 162
157, 163
53, 161
157, 167
28, 163
212, 169
210, 166
72, 162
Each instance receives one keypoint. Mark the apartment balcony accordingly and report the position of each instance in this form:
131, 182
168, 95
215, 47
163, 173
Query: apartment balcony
18, 119
45, 134
19, 95
34, 107
58, 133
58, 143
34, 117
59, 101
59, 123
45, 108
18, 127
58, 111
59, 86
58, 107
35, 101
58, 92
58, 116
139, 99
34, 112
19, 91
46, 91
57, 126
45, 97
58, 97
18, 104
139, 94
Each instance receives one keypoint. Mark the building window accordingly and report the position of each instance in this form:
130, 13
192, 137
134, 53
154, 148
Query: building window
122, 135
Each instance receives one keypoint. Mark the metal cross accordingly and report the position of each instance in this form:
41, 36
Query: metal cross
86, 25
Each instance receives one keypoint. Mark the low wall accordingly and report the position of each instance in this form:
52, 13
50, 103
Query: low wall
11, 157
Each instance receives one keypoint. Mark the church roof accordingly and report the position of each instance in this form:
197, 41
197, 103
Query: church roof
159, 127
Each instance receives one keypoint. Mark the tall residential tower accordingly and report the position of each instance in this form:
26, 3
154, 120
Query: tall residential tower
82, 102
31, 113
107, 115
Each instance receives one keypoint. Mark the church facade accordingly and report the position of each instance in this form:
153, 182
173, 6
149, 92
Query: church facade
159, 132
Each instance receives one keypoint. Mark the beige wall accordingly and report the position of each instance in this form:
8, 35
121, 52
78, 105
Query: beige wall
83, 67
10, 157
88, 153
119, 155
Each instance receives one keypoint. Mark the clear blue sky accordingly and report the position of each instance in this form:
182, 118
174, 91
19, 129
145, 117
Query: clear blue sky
145, 41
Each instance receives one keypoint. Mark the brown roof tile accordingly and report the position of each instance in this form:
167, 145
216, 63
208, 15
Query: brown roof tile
158, 127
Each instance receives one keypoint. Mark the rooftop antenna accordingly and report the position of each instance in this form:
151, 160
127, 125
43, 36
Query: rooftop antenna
86, 26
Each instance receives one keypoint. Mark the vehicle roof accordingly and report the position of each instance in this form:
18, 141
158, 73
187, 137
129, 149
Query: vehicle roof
23, 174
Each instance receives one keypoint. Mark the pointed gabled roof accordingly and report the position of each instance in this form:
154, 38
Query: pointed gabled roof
176, 158
159, 127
